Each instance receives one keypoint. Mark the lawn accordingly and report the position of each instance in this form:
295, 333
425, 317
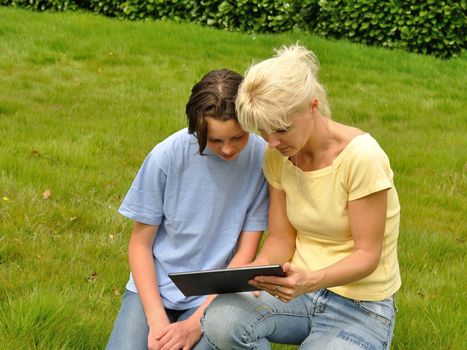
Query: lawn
83, 99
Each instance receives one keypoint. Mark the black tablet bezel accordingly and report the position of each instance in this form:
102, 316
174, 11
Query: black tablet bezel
221, 281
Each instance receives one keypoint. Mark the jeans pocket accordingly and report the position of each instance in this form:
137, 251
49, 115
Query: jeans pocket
382, 311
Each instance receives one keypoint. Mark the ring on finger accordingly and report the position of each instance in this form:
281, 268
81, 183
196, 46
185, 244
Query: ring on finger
276, 289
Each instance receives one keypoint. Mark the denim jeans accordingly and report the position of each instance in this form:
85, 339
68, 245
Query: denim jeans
319, 320
131, 330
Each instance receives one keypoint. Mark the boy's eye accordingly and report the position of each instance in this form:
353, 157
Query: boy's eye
281, 131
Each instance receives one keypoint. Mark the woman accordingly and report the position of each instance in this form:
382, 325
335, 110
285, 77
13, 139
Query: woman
192, 210
333, 222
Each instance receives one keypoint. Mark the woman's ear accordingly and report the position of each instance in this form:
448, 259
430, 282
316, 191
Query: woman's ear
314, 104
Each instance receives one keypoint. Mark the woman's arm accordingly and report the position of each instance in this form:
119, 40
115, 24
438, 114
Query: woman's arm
279, 245
367, 219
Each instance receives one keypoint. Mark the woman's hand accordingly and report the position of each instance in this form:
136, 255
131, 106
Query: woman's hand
296, 283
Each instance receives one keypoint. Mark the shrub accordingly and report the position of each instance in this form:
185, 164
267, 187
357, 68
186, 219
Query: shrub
42, 5
436, 27
429, 27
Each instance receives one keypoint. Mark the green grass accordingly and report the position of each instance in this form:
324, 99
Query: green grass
83, 99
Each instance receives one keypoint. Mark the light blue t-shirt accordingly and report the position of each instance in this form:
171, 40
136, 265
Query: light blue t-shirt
201, 204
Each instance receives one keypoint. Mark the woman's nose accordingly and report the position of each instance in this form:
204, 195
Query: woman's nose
272, 141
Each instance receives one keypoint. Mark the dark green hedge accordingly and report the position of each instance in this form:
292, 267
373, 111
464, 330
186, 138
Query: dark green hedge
42, 5
436, 27
431, 26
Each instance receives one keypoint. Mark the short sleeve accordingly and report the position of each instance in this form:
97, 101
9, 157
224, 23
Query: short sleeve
257, 215
272, 167
367, 170
144, 200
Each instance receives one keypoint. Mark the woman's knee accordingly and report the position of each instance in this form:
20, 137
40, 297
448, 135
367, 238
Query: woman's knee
226, 318
223, 312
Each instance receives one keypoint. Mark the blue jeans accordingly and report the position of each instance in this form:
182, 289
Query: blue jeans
131, 330
319, 320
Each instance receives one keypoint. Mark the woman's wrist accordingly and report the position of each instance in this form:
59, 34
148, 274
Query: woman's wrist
315, 280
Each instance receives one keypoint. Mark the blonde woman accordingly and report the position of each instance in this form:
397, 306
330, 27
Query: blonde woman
333, 222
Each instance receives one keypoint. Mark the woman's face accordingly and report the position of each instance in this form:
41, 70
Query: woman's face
291, 140
225, 138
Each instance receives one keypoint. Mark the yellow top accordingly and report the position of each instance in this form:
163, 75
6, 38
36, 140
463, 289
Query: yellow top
318, 211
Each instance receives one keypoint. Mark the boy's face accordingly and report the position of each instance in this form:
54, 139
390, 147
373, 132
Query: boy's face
225, 138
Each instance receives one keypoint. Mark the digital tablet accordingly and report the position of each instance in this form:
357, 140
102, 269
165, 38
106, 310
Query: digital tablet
231, 280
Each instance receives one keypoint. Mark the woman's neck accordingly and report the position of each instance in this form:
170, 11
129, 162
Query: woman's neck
326, 142
321, 138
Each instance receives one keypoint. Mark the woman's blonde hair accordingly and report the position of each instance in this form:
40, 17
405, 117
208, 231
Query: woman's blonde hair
280, 86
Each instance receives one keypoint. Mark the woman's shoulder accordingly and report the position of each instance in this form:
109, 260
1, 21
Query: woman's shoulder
365, 142
363, 148
273, 156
